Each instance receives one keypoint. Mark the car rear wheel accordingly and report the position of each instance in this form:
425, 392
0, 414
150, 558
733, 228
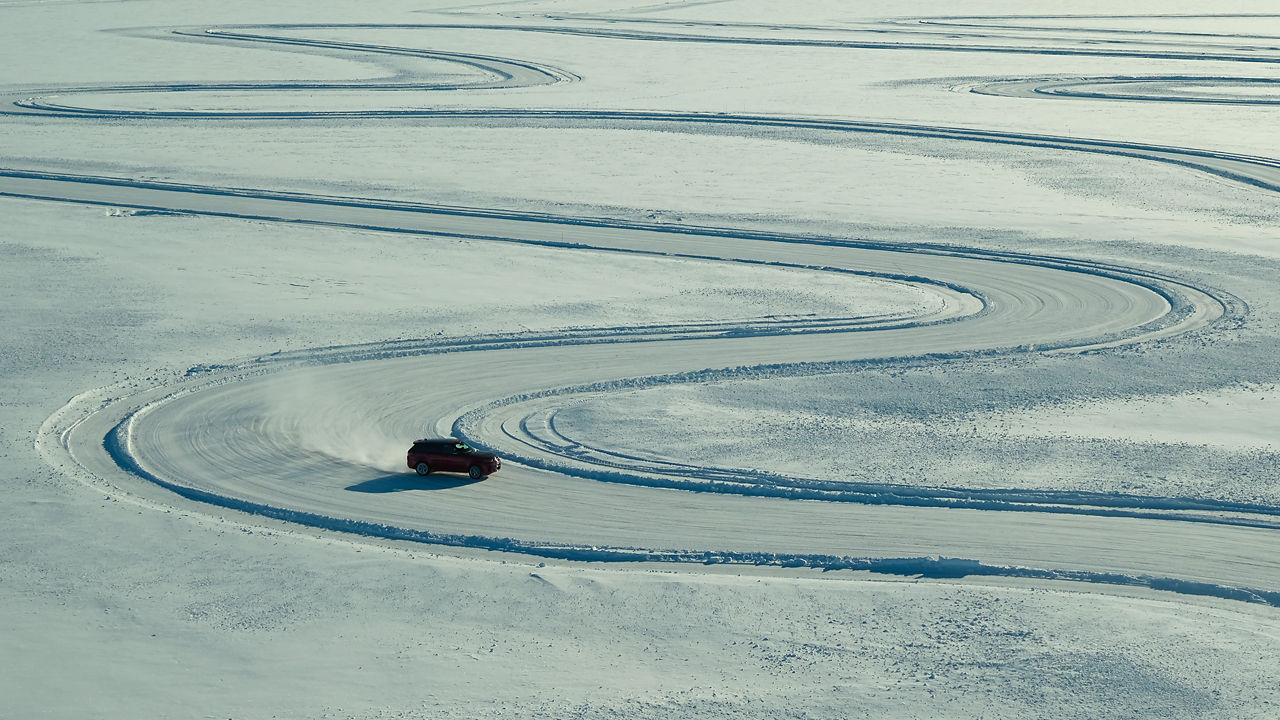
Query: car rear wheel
423, 468
475, 472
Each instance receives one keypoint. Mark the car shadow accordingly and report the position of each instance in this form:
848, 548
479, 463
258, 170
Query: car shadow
401, 482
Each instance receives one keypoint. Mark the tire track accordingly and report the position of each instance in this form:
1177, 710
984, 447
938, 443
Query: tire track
226, 437
1263, 172
500, 72
492, 73
1214, 90
868, 37
524, 430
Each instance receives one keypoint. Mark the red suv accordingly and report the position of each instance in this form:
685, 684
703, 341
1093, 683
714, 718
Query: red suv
449, 455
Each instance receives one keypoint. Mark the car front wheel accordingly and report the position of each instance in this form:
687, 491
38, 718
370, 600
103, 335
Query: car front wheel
475, 472
423, 468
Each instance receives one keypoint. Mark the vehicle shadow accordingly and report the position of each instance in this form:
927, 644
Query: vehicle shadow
401, 482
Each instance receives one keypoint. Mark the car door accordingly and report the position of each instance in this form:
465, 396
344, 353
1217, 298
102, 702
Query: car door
461, 460
445, 460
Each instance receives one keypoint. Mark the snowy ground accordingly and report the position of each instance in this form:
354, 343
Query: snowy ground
839, 310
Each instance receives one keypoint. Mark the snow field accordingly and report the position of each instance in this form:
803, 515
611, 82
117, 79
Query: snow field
1139, 446
121, 599
324, 627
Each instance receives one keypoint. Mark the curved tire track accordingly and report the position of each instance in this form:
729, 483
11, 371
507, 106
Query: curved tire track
508, 73
233, 438
525, 430
494, 73
1143, 89
1009, 39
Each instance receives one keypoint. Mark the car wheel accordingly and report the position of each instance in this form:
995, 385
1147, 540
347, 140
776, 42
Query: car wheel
423, 468
475, 472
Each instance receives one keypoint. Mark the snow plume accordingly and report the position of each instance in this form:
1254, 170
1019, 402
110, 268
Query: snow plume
335, 420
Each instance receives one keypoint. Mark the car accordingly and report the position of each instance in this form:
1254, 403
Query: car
451, 455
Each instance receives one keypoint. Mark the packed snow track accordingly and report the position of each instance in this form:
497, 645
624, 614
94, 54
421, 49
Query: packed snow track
289, 436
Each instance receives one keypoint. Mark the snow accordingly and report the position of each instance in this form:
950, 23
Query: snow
882, 427
247, 544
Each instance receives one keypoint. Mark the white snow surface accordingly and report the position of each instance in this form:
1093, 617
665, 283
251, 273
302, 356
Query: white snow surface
248, 544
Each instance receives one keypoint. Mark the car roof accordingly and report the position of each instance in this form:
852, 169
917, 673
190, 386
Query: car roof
424, 441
